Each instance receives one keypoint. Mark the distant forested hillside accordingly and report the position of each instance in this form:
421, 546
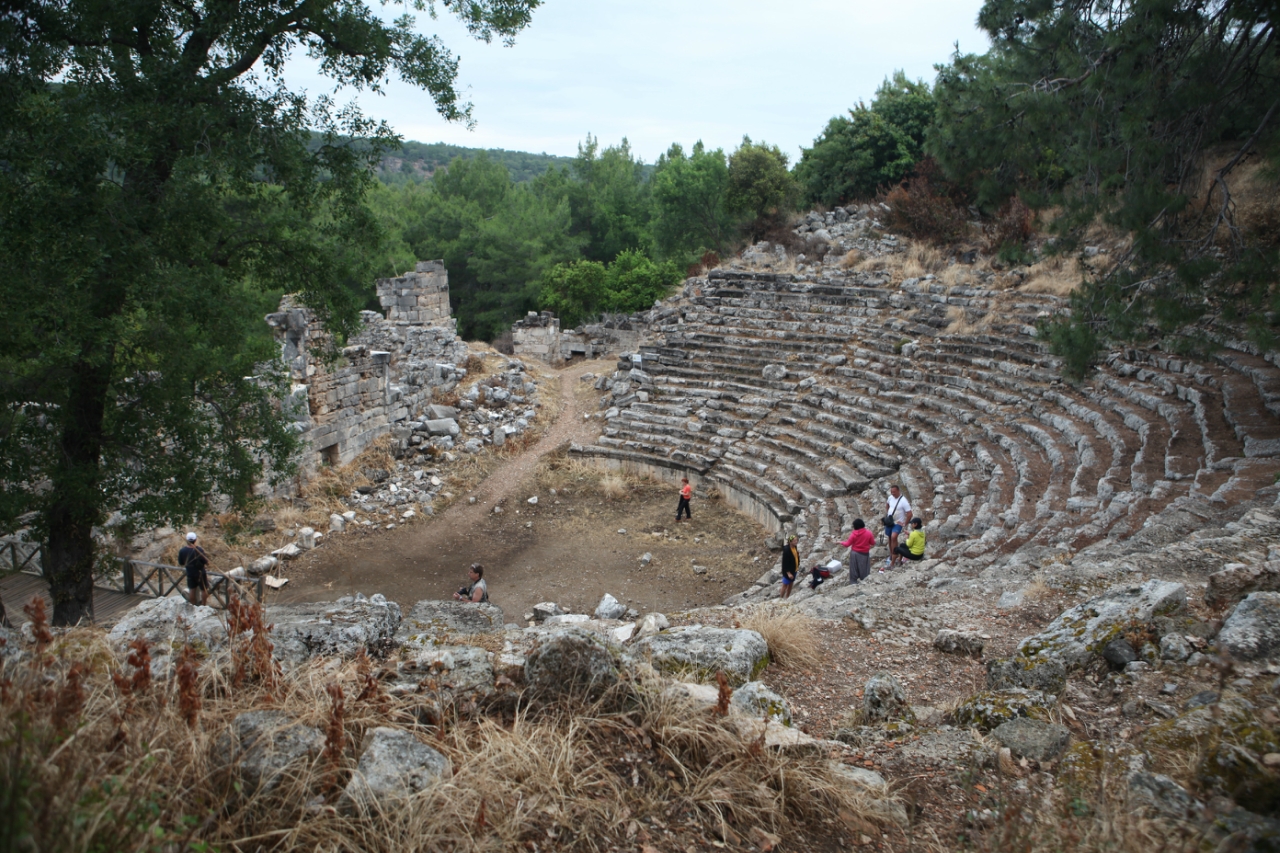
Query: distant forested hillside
417, 161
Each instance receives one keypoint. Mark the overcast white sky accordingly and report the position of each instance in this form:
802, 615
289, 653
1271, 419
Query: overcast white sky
663, 71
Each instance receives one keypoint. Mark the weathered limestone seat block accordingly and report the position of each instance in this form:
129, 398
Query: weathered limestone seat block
386, 375
801, 397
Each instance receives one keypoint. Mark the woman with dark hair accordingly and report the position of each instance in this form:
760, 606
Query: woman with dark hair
913, 548
859, 544
478, 590
790, 565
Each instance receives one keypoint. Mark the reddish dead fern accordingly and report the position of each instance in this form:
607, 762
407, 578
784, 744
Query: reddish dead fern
188, 673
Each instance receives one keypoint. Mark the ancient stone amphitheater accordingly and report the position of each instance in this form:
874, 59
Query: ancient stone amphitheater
801, 398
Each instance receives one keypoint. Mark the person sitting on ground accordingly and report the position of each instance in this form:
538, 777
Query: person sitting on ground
477, 590
193, 558
686, 492
859, 544
790, 565
913, 549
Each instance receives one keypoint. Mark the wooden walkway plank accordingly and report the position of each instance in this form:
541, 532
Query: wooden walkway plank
18, 588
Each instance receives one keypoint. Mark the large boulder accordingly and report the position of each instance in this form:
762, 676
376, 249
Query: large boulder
883, 699
1033, 739
1048, 675
393, 765
334, 629
954, 642
1081, 632
458, 669
991, 708
162, 622
265, 748
701, 651
571, 662
1237, 580
430, 622
1252, 632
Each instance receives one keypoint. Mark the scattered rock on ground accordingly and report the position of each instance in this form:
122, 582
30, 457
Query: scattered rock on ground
1252, 631
573, 662
265, 747
958, 643
701, 651
393, 765
610, 608
883, 699
338, 628
1033, 739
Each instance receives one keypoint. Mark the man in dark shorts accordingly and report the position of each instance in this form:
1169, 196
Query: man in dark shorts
196, 562
790, 565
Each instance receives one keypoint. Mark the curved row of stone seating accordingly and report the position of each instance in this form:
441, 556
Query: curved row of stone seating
806, 396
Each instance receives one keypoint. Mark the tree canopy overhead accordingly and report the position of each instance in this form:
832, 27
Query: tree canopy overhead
1136, 113
157, 185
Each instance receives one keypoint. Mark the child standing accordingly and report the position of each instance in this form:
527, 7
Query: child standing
790, 565
686, 492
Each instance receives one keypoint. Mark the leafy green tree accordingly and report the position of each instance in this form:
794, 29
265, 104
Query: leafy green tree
760, 185
581, 290
1112, 110
609, 197
158, 178
873, 147
689, 212
575, 291
634, 282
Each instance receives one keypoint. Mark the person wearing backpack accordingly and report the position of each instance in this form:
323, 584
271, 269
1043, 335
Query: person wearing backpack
859, 544
897, 516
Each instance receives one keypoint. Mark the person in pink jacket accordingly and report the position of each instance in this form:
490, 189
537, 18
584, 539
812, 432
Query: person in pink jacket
859, 544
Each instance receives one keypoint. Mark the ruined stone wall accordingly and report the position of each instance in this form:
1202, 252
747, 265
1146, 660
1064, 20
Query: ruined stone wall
389, 371
537, 336
420, 297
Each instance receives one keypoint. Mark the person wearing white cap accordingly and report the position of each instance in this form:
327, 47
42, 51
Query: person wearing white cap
195, 561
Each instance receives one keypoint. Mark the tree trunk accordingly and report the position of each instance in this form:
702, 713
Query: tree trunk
76, 499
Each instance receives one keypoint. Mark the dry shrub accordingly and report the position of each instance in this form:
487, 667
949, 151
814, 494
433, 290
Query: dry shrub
923, 206
1011, 228
851, 259
504, 343
1037, 591
613, 486
641, 765
792, 636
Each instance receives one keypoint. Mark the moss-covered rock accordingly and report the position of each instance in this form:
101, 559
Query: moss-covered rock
1081, 632
1048, 675
990, 708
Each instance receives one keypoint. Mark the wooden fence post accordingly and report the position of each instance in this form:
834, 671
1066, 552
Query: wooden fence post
128, 577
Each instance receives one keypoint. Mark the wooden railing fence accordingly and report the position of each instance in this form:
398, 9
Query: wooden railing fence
157, 579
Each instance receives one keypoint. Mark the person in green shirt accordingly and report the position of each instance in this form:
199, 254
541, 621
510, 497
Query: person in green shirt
913, 548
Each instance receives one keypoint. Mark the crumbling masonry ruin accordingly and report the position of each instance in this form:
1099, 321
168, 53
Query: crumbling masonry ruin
388, 372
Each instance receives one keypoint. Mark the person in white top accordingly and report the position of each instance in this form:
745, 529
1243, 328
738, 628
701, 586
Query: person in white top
898, 509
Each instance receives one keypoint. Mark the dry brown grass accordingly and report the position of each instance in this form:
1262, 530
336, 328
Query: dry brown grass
792, 636
1037, 590
921, 259
1057, 275
851, 259
90, 763
961, 324
576, 476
